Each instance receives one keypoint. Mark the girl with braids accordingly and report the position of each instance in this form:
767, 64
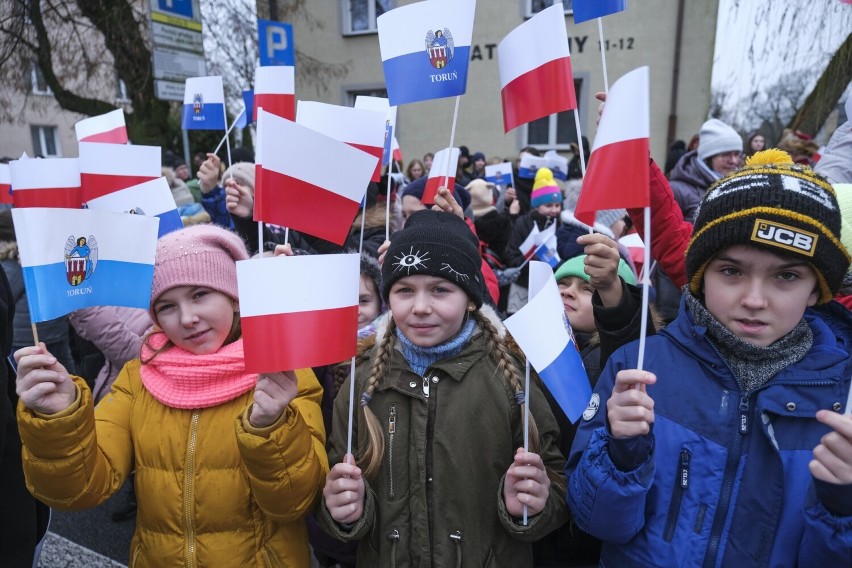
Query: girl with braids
439, 476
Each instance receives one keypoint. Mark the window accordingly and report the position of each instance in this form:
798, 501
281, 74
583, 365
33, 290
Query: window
359, 16
37, 82
121, 91
46, 141
352, 94
557, 131
536, 6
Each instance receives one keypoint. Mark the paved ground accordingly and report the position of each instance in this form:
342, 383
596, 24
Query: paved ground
59, 552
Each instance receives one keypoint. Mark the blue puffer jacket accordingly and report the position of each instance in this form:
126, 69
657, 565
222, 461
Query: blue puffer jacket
727, 482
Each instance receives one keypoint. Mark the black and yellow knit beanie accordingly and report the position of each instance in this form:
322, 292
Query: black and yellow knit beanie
774, 204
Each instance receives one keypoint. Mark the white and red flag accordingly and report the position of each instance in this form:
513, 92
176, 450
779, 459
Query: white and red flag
310, 314
617, 175
5, 184
105, 168
108, 128
297, 187
535, 69
360, 128
275, 91
445, 162
46, 182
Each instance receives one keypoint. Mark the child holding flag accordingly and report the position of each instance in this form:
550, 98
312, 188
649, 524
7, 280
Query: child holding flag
730, 449
227, 463
441, 478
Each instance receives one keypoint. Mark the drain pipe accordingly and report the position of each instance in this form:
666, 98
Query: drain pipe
672, 127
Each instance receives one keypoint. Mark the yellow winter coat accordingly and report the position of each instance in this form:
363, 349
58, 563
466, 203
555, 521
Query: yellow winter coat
212, 490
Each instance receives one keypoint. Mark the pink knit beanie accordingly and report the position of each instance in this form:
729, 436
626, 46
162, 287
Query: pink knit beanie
200, 255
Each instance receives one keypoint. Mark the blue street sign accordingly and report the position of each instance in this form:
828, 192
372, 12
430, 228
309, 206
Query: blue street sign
177, 7
275, 43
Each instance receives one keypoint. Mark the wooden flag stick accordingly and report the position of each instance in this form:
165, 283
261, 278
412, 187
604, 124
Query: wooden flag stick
35, 333
526, 418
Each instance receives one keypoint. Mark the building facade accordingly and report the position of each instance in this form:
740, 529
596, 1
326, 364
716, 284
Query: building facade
645, 34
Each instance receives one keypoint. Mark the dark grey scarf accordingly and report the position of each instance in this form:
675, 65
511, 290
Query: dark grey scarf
751, 365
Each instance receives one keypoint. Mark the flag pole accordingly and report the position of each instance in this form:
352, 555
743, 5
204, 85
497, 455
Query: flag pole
646, 281
35, 333
452, 141
227, 133
351, 406
582, 152
387, 199
526, 418
603, 53
260, 238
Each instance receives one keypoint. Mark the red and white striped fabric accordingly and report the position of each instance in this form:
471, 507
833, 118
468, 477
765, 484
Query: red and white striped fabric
306, 305
617, 175
5, 184
105, 168
51, 182
438, 174
360, 128
275, 91
298, 188
108, 128
535, 69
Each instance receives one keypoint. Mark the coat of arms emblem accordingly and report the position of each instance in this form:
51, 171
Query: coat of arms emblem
440, 47
81, 258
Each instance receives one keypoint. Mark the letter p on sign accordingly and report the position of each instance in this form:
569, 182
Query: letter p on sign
275, 43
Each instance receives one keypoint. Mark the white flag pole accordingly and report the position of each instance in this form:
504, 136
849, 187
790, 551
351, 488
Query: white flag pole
228, 132
603, 54
351, 406
646, 283
388, 198
452, 141
526, 419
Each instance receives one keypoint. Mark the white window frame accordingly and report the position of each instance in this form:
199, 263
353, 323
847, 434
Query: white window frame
40, 146
35, 73
346, 12
528, 11
552, 123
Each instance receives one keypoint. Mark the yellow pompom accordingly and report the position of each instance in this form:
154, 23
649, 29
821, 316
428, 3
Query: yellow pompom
543, 178
770, 157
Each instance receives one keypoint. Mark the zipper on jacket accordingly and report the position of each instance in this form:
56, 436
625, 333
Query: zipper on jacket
456, 537
391, 435
135, 556
681, 484
189, 489
731, 467
393, 536
426, 387
432, 404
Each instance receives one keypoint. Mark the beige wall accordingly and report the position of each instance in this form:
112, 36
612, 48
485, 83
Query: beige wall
642, 35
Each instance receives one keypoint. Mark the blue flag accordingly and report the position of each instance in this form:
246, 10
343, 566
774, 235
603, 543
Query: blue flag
585, 10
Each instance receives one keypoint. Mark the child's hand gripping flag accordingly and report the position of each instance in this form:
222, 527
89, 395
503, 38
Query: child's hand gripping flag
78, 258
296, 187
544, 334
425, 49
311, 311
535, 69
618, 166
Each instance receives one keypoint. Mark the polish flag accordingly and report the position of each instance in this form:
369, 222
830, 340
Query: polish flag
275, 91
105, 168
382, 105
362, 129
297, 187
5, 184
108, 128
311, 312
535, 69
617, 175
51, 182
445, 161
396, 150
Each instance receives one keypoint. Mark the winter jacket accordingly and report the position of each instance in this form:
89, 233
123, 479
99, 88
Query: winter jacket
117, 333
836, 160
521, 230
212, 490
727, 480
214, 203
450, 438
689, 181
494, 230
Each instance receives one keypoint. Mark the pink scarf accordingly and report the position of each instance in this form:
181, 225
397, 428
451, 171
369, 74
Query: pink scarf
180, 379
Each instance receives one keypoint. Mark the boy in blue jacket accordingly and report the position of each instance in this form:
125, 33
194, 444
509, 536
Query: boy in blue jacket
730, 449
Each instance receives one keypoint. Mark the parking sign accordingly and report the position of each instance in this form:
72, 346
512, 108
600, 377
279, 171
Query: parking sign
275, 43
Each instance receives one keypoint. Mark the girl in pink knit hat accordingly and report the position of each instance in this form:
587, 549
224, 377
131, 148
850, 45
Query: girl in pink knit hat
227, 463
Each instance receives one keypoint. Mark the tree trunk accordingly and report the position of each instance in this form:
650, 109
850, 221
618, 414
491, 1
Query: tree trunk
828, 90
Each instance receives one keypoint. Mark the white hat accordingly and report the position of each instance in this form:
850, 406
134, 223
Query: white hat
716, 137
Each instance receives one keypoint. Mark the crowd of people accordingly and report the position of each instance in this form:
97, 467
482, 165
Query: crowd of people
729, 447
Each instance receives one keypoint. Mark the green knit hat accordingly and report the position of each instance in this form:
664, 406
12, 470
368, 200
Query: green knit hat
775, 205
576, 267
